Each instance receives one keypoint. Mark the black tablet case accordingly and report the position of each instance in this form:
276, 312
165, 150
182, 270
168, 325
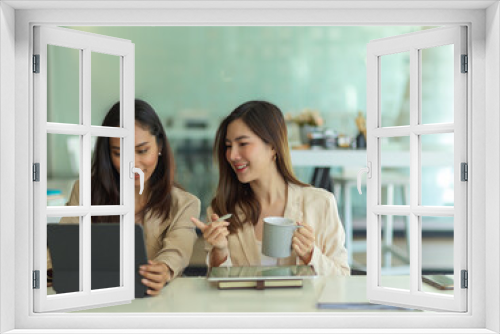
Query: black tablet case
63, 242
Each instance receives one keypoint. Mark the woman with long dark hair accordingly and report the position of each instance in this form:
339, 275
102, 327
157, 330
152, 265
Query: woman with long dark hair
256, 180
163, 209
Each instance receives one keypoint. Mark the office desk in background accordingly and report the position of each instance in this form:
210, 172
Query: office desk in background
196, 294
347, 159
343, 185
328, 158
356, 158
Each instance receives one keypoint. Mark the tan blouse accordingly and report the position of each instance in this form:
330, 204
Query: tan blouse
169, 241
316, 207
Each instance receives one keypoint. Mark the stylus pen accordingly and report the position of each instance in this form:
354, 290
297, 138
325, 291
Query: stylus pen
221, 218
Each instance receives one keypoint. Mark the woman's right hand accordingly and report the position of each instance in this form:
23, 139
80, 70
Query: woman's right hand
214, 233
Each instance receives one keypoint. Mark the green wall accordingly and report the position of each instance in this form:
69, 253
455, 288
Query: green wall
205, 72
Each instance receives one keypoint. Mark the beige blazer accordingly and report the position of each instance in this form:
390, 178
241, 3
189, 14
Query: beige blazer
316, 207
169, 241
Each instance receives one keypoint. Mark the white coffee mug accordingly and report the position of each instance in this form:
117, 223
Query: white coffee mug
277, 236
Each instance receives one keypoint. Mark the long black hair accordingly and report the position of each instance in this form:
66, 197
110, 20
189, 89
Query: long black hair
106, 179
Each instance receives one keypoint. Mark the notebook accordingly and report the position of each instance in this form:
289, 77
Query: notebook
63, 242
260, 277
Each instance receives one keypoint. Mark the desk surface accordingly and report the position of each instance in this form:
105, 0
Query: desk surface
198, 295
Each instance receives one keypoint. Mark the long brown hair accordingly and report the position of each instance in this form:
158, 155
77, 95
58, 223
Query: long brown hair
105, 177
267, 122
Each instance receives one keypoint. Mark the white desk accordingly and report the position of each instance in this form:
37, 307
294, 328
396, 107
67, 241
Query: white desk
329, 158
198, 295
357, 158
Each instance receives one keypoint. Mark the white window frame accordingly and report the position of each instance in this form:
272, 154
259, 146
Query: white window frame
484, 212
412, 44
86, 44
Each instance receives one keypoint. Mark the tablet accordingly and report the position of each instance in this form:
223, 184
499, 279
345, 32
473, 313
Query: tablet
295, 272
441, 282
63, 240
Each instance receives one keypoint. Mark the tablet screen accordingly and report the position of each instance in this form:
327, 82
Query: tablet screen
258, 272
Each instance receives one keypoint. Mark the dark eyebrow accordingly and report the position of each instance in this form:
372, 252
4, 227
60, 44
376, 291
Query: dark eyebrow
239, 138
140, 145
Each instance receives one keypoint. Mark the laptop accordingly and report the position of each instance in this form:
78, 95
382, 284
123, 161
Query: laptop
63, 242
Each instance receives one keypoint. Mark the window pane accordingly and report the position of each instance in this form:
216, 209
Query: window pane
394, 252
437, 169
437, 253
63, 255
105, 85
395, 89
105, 258
63, 85
106, 161
63, 168
437, 84
395, 170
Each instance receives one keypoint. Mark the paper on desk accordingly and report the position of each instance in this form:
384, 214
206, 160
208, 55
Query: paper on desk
359, 306
333, 299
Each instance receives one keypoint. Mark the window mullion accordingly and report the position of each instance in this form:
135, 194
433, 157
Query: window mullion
85, 254
393, 131
460, 155
392, 210
414, 170
128, 200
66, 129
429, 129
105, 131
372, 190
96, 210
85, 177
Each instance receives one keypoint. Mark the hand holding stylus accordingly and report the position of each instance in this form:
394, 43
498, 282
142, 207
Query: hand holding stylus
216, 232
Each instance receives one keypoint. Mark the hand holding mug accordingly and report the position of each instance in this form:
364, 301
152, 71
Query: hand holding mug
303, 242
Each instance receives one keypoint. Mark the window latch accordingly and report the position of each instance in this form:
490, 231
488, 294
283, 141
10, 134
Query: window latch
368, 171
134, 170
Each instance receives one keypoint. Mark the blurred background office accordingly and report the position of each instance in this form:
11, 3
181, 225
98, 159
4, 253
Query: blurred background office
195, 76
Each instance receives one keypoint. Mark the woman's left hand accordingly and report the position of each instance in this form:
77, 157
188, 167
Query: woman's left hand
156, 275
303, 242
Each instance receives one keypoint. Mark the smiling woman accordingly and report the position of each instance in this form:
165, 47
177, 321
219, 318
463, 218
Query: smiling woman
256, 181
